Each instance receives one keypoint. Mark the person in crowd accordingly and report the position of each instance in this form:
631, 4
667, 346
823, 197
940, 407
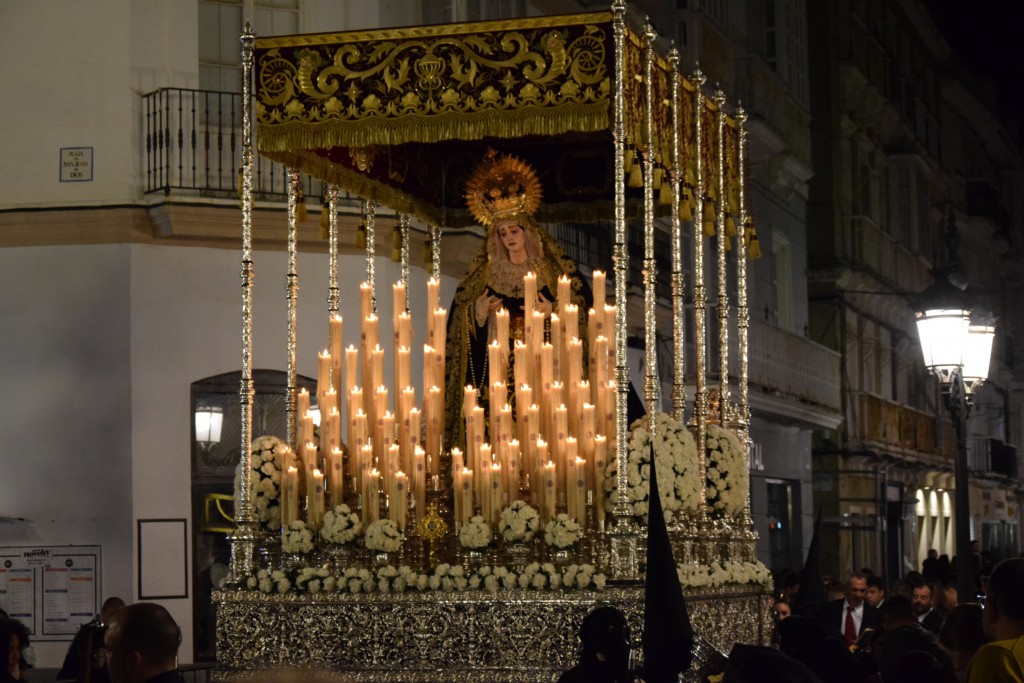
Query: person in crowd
875, 593
753, 664
604, 653
1002, 661
930, 566
962, 634
19, 644
781, 611
902, 634
834, 590
5, 647
916, 666
803, 639
83, 658
947, 598
945, 568
923, 597
791, 587
848, 617
142, 643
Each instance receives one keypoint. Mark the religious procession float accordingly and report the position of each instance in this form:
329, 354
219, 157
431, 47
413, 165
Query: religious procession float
459, 525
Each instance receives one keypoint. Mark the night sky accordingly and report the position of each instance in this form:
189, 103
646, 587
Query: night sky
986, 36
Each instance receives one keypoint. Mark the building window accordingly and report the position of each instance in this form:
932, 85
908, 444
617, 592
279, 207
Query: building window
681, 34
220, 24
770, 33
717, 10
782, 279
796, 50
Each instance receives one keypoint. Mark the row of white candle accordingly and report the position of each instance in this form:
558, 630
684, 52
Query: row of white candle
562, 422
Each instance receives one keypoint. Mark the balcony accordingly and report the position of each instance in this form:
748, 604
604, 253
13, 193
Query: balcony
868, 246
193, 141
878, 423
792, 365
789, 375
993, 457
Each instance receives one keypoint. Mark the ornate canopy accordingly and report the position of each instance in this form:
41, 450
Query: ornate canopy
401, 116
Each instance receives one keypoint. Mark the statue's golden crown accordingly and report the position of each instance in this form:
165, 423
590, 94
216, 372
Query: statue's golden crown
502, 186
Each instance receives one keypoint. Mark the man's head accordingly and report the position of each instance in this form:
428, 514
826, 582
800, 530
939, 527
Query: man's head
791, 584
111, 607
856, 587
142, 641
922, 598
976, 547
1004, 604
605, 637
899, 612
875, 592
933, 554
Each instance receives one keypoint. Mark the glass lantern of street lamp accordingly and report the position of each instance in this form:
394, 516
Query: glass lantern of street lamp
978, 353
209, 420
943, 323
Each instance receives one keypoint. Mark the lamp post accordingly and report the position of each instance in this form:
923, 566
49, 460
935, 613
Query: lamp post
957, 351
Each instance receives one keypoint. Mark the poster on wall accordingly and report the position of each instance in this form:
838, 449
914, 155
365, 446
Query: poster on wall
51, 589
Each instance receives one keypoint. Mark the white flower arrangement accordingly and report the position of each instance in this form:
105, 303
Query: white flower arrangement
383, 536
445, 578
717, 574
562, 531
296, 538
270, 581
728, 474
315, 580
676, 454
270, 456
341, 525
476, 534
519, 522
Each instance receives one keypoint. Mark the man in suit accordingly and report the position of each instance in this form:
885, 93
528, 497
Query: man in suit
926, 616
875, 595
849, 617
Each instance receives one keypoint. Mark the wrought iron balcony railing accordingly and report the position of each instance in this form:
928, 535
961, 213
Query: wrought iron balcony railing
193, 141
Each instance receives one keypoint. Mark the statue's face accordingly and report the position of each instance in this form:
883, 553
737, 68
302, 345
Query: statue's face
511, 235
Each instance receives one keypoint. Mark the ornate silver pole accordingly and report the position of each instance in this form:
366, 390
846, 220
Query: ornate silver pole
403, 227
625, 560
369, 211
435, 252
652, 384
678, 302
723, 273
292, 289
742, 311
700, 412
243, 540
333, 293
743, 319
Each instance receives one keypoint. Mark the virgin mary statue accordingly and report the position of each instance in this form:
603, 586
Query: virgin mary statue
503, 193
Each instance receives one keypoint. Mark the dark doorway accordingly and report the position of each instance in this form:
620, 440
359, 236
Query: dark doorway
213, 484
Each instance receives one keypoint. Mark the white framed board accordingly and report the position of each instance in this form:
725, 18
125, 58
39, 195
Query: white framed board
53, 590
163, 559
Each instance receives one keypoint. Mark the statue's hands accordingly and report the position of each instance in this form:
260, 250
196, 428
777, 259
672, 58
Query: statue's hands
543, 305
485, 304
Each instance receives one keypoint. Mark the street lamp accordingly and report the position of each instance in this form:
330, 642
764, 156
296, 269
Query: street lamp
209, 421
957, 351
